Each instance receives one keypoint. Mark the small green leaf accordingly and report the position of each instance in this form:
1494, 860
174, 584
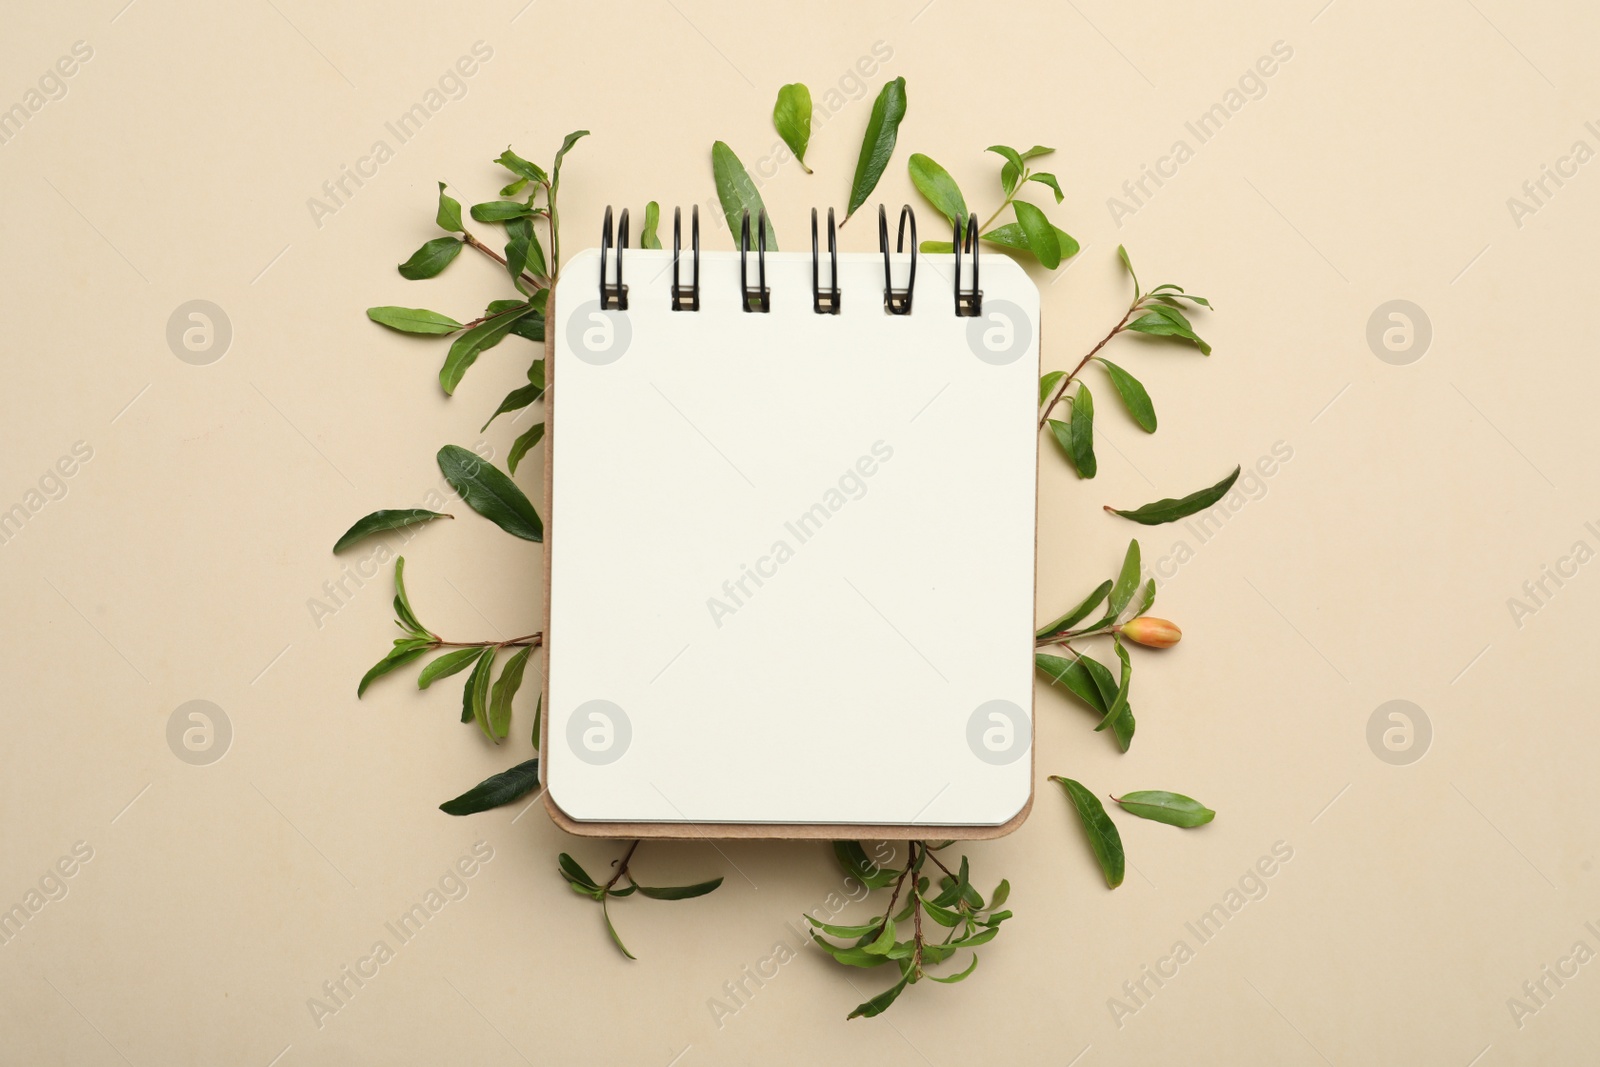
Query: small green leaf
851, 957
386, 519
515, 400
739, 194
566, 146
1083, 432
1127, 580
475, 694
413, 320
1164, 321
504, 689
935, 183
403, 652
538, 713
880, 1003
402, 602
1122, 253
1047, 384
1077, 614
501, 210
952, 979
1002, 893
1103, 837
612, 930
1047, 179
1012, 236
883, 127
853, 860
431, 258
1133, 395
845, 931
449, 215
496, 791
464, 350
523, 251
1012, 171
941, 915
680, 892
449, 663
528, 172
1172, 509
521, 445
1175, 809
1091, 682
1041, 235
1119, 703
488, 491
1036, 151
792, 116
571, 869
883, 942
652, 220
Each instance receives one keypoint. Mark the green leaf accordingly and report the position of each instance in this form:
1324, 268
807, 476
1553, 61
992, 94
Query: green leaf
1122, 253
449, 663
528, 172
1012, 171
845, 931
1047, 384
386, 519
1041, 235
1119, 703
952, 979
880, 1003
854, 862
792, 116
612, 930
403, 652
852, 956
464, 350
475, 695
1163, 321
1127, 580
982, 937
413, 320
1047, 179
1012, 236
523, 251
1174, 809
1133, 395
1123, 725
1091, 682
941, 915
496, 791
883, 942
680, 892
538, 712
1148, 600
515, 400
431, 258
1077, 614
647, 232
488, 491
566, 146
571, 869
521, 445
1171, 509
1002, 893
738, 194
1103, 836
878, 143
1083, 432
449, 216
501, 210
504, 689
935, 183
1036, 151
402, 603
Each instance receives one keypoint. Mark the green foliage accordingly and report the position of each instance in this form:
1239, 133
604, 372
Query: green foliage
387, 519
622, 884
877, 144
792, 116
1171, 509
738, 194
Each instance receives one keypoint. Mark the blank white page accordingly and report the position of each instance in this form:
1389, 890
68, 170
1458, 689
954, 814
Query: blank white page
792, 554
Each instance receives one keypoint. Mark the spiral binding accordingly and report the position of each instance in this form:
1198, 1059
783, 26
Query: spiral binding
824, 300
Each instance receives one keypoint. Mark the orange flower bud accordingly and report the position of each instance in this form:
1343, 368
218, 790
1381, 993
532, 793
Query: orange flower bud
1157, 633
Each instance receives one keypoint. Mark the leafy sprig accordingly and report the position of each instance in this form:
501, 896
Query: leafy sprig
1031, 234
584, 885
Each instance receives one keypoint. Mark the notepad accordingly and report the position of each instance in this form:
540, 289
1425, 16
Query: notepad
790, 552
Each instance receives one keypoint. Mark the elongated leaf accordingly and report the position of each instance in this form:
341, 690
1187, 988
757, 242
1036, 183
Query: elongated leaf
1041, 235
1171, 509
1158, 805
1164, 321
1014, 237
652, 220
386, 519
496, 791
792, 116
883, 942
431, 258
935, 183
1133, 395
952, 979
413, 320
738, 194
402, 602
845, 931
571, 869
1122, 254
1048, 179
450, 663
1002, 893
521, 445
403, 652
504, 689
464, 350
680, 892
1047, 384
523, 251
878, 144
1148, 599
488, 491
449, 215
538, 713
528, 172
475, 694
612, 930
561, 153
851, 957
1011, 172
515, 400
941, 915
880, 1003
1119, 702
1091, 682
1077, 614
1127, 580
500, 210
1103, 837
1123, 725
853, 860
1083, 432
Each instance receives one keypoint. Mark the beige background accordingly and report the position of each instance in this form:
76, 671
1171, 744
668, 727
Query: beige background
1376, 566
